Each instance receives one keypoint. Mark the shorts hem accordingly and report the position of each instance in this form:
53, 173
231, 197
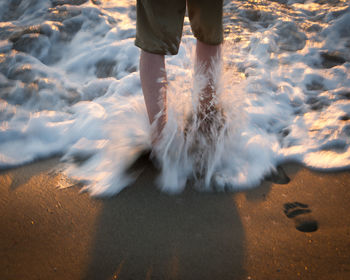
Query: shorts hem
145, 48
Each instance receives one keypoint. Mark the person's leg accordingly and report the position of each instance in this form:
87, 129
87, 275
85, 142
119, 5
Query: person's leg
158, 32
206, 23
154, 83
207, 56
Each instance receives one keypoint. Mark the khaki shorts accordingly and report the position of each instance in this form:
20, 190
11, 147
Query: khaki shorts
159, 23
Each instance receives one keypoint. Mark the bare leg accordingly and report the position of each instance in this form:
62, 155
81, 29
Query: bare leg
206, 56
153, 83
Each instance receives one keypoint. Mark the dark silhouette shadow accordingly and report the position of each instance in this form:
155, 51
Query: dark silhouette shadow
145, 234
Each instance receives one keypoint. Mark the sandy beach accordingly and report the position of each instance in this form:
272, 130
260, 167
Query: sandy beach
51, 233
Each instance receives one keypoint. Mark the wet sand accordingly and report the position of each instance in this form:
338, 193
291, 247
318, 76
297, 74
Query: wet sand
51, 233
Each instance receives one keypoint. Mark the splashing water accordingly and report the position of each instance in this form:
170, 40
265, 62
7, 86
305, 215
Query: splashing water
69, 86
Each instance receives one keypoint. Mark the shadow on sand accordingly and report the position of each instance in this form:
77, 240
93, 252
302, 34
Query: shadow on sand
145, 234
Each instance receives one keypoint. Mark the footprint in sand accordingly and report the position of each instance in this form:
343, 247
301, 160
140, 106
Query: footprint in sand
300, 213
